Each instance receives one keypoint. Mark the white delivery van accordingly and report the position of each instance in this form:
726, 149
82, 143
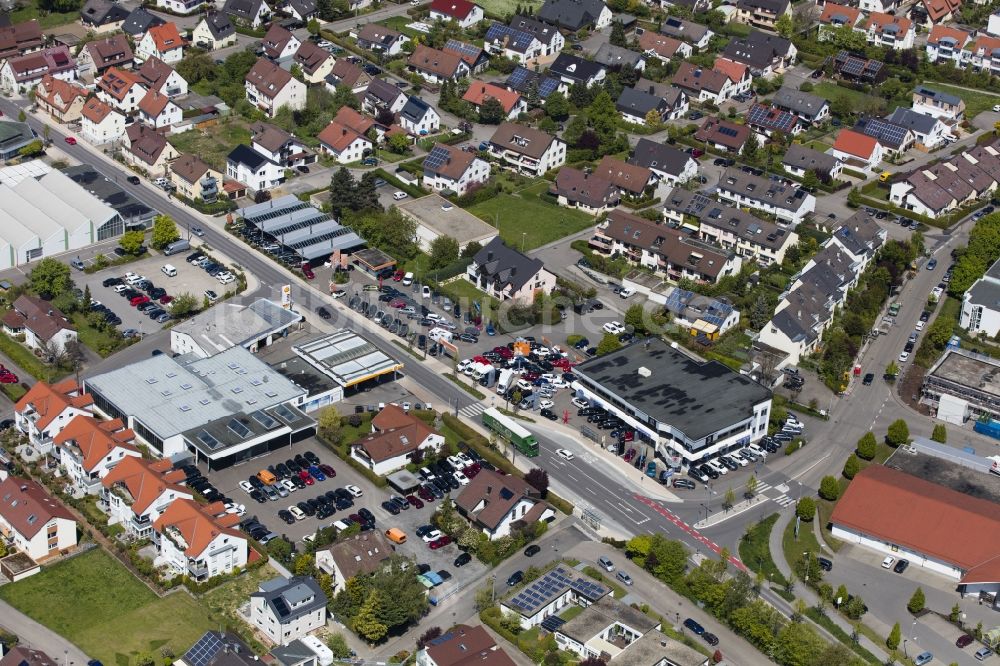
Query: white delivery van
168, 270
438, 334
506, 381
408, 279
481, 370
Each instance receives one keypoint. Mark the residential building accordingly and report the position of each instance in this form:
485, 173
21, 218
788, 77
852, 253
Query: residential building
764, 53
217, 648
89, 449
138, 21
245, 165
884, 6
834, 16
19, 74
591, 193
62, 100
466, 14
253, 326
343, 143
939, 189
928, 131
463, 646
357, 555
194, 179
723, 134
669, 165
947, 44
379, 38
859, 70
300, 10
635, 105
102, 16
551, 593
894, 138
148, 150
786, 201
690, 32
19, 654
279, 43
889, 31
731, 228
198, 541
857, 149
808, 107
158, 111
981, 304
474, 56
20, 39
181, 6
526, 82
316, 64
345, 73
214, 31
396, 434
46, 409
654, 388
158, 75
43, 325
497, 503
418, 117
511, 102
269, 87
163, 42
251, 13
799, 159
701, 315
767, 120
381, 96
612, 56
37, 524
121, 89
136, 492
449, 168
662, 47
673, 253
435, 65
97, 56
932, 12
761, 13
716, 85
506, 274
860, 237
527, 150
575, 15
286, 609
279, 146
633, 180
986, 54
525, 40
571, 69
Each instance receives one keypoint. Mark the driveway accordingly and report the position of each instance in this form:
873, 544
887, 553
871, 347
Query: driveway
40, 637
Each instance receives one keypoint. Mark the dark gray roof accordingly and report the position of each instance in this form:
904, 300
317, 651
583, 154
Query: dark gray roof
219, 649
802, 157
696, 397
503, 265
139, 21
860, 234
219, 25
244, 154
415, 109
758, 49
913, 120
686, 31
658, 157
610, 56
303, 8
985, 293
102, 12
383, 92
944, 98
775, 193
803, 103
639, 102
571, 14
831, 272
540, 30
281, 594
295, 653
243, 9
793, 323
777, 7
574, 68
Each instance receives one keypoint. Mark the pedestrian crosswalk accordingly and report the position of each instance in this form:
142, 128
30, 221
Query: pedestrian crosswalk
472, 411
782, 499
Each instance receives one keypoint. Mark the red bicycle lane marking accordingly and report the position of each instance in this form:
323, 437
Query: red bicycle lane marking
672, 517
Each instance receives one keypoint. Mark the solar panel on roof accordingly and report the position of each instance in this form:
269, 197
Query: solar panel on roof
519, 77
547, 87
202, 652
208, 440
728, 131
239, 429
461, 47
264, 419
437, 158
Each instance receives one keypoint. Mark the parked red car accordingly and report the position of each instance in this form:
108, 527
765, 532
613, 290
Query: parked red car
414, 502
472, 470
308, 272
329, 471
397, 303
425, 494
6, 376
307, 477
138, 300
440, 543
166, 299
70, 140
397, 276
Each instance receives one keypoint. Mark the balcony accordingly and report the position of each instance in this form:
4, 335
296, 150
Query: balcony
198, 570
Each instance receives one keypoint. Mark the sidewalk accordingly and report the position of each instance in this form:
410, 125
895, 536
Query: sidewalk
34, 635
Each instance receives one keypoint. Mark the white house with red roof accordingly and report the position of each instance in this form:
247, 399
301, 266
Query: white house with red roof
157, 110
512, 103
158, 75
858, 149
161, 41
22, 73
121, 89
38, 524
345, 138
466, 14
137, 492
894, 32
62, 100
89, 449
396, 434
945, 43
46, 409
100, 123
197, 541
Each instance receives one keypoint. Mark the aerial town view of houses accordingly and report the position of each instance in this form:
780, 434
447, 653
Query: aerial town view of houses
499, 332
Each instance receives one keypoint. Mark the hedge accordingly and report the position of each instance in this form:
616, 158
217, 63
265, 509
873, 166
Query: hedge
413, 191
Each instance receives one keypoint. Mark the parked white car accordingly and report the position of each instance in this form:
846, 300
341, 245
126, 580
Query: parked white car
354, 490
614, 328
296, 512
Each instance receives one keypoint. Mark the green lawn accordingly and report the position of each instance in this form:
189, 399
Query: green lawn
95, 602
25, 359
976, 101
214, 143
466, 293
103, 343
794, 547
501, 8
571, 612
831, 91
399, 23
526, 212
755, 550
46, 20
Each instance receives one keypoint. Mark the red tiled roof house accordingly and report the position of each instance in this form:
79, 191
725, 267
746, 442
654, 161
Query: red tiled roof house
39, 526
396, 434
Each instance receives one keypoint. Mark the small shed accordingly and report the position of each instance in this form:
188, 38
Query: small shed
372, 260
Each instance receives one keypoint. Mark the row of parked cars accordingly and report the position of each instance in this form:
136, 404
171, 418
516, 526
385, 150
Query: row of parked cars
195, 480
142, 294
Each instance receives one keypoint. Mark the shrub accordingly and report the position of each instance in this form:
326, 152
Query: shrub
852, 467
806, 509
829, 489
917, 601
867, 446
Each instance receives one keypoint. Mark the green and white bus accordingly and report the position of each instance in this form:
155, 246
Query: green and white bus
508, 429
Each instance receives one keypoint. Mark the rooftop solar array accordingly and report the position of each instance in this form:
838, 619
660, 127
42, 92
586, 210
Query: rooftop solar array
552, 623
438, 157
553, 585
771, 118
204, 651
520, 80
886, 132
470, 51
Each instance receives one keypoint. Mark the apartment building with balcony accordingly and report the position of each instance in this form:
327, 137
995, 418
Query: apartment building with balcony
947, 107
194, 179
34, 522
761, 13
947, 44
889, 31
46, 409
198, 541
527, 150
89, 449
786, 201
269, 87
136, 493
286, 609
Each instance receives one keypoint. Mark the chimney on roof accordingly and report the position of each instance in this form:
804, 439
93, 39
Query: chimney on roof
489, 256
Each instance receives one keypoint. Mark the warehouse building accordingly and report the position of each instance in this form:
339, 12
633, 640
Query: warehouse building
229, 324
690, 410
223, 409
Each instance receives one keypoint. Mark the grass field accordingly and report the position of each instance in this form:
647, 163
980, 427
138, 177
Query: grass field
95, 602
976, 101
45, 19
525, 212
831, 91
755, 550
794, 547
213, 144
503, 7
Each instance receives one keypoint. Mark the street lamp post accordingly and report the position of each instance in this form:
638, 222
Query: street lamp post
806, 555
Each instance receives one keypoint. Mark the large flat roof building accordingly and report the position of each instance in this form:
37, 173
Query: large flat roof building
689, 409
223, 409
229, 324
962, 385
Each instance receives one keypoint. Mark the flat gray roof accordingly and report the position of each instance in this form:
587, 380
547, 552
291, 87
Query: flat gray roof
980, 484
653, 647
229, 324
696, 397
347, 357
975, 373
306, 375
456, 222
172, 396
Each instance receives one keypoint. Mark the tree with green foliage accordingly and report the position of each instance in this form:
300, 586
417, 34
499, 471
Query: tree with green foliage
608, 344
164, 232
854, 197
806, 508
867, 446
338, 645
603, 117
829, 489
851, 466
783, 26
342, 186
33, 149
618, 34
444, 250
471, 249
313, 26
635, 317
940, 331
557, 107
389, 231
810, 181
751, 486
664, 558
279, 549
940, 433
892, 369
892, 641
491, 112
131, 242
367, 623
917, 601
344, 96
196, 66
50, 278
366, 193
729, 499
898, 433
183, 304
328, 425
398, 143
